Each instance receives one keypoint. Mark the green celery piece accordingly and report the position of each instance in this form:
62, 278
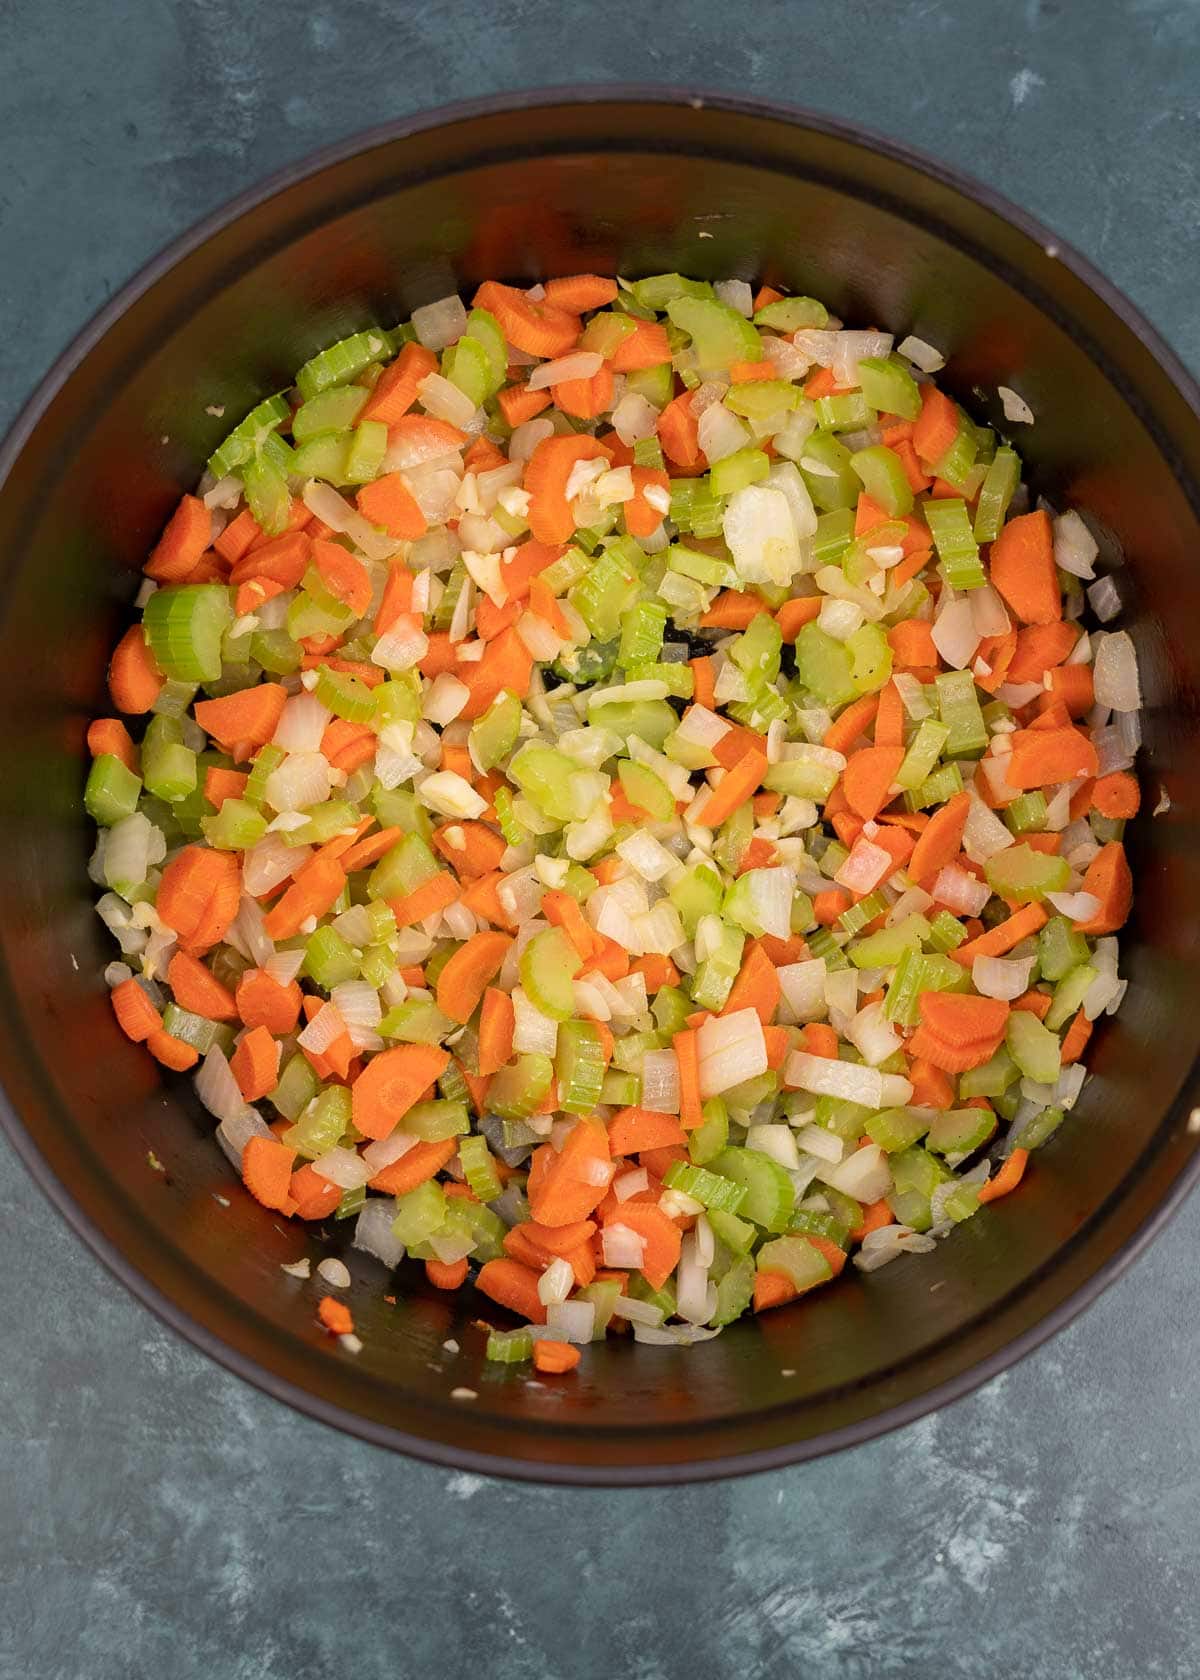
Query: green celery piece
916, 973
346, 696
321, 1124
236, 826
690, 562
175, 698
823, 667
329, 960
848, 411
518, 1088
323, 822
169, 769
112, 790
670, 1008
594, 663
735, 1291
832, 482
276, 652
958, 707
936, 790
416, 1021
698, 892
267, 495
679, 678
1038, 1129
889, 945
705, 1186
946, 932
247, 438
802, 778
999, 486
1025, 876
1033, 1047
713, 980
955, 466
762, 399
770, 1195
957, 549
809, 1222
606, 332
924, 750
332, 411
916, 1174
1060, 948
368, 446
296, 1088
606, 593
419, 1213
1027, 813
870, 657
642, 633
889, 387
652, 720
1069, 995
897, 1128
834, 534
483, 325
579, 1067
646, 789
962, 1202
957, 1131
658, 290
510, 1347
184, 628
436, 1120
494, 734
647, 452
711, 1136
342, 362
407, 866
991, 1079
737, 1234
883, 478
719, 335
734, 472
790, 314
468, 365
797, 1259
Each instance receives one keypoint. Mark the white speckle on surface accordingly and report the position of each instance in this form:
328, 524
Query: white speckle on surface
450, 1346
1193, 1122
74, 962
335, 1272
463, 1394
1164, 803
1023, 84
298, 1268
463, 1486
217, 410
350, 1341
704, 234
788, 1373
223, 1200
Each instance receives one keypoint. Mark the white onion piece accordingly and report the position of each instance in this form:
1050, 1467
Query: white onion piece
335, 511
440, 323
580, 364
803, 987
660, 1081
848, 1080
302, 723
984, 834
954, 633
218, 1091
373, 1231
302, 780
873, 1035
343, 1167
323, 1030
997, 977
1076, 906
921, 354
960, 891
384, 1151
623, 1247
1116, 673
1104, 598
731, 1050
863, 1174
634, 418
721, 433
569, 1321
270, 863
1075, 548
988, 611
1016, 409
283, 966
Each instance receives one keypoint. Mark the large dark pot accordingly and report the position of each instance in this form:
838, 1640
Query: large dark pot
523, 189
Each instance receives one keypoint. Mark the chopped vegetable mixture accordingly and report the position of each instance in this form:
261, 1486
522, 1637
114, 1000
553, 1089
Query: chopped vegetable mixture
627, 809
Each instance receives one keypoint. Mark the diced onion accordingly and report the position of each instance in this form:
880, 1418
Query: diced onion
922, 355
864, 1174
825, 1077
440, 324
1075, 548
1016, 409
580, 364
998, 977
623, 1247
302, 723
960, 891
570, 1321
1076, 906
1115, 672
373, 1231
660, 1081
343, 1167
732, 1049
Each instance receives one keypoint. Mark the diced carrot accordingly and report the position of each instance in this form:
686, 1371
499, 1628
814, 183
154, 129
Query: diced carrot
136, 1015
255, 1064
1107, 878
134, 679
562, 1194
1004, 936
678, 432
344, 575
109, 735
465, 977
421, 1163
188, 534
514, 1286
1034, 1003
395, 390
961, 1018
335, 1316
197, 989
1007, 1179
555, 1358
1075, 1039
426, 900
733, 790
1116, 795
518, 403
830, 904
446, 1274
820, 1040
537, 328
889, 719
284, 559
931, 1088
247, 718
267, 1171
756, 987
731, 610
172, 1052
199, 896
854, 720
646, 346
585, 399
868, 778
313, 891
939, 842
633, 1129
936, 427
389, 503
315, 1197
1021, 566
1045, 757
391, 1083
772, 1289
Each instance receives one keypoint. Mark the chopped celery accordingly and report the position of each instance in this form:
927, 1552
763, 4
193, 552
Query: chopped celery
236, 826
1003, 476
811, 1222
267, 494
991, 1079
735, 1291
1025, 876
436, 1120
848, 411
1038, 1129
247, 438
916, 1174
184, 627
936, 789
770, 1195
705, 1186
888, 945
958, 707
652, 720
713, 980
1069, 995
826, 470
719, 335
889, 387
419, 1213
1033, 1047
658, 290
112, 790
856, 917
407, 866
762, 399
790, 314
696, 893
956, 546
711, 1136
510, 1347
835, 533
883, 478
1027, 813
924, 750
1060, 948
296, 1088
342, 362
916, 973
517, 1089
897, 1128
331, 411
823, 667
346, 696
321, 1124
642, 633
196, 1030
870, 657
328, 959
797, 1259
579, 1067
417, 1020
734, 472
957, 1131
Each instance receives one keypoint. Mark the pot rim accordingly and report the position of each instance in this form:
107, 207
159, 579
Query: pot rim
443, 1452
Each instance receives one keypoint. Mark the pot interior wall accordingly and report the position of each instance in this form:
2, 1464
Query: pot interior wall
621, 188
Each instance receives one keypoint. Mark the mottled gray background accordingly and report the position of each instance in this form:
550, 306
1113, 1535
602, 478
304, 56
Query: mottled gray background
161, 1519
